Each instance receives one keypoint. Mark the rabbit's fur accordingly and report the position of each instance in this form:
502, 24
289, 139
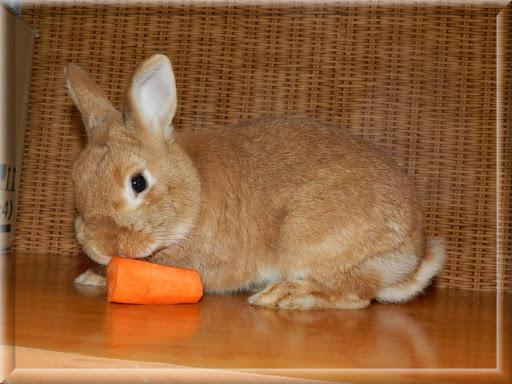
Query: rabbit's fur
310, 216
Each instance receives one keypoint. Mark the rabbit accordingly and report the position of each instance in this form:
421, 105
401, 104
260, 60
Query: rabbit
296, 213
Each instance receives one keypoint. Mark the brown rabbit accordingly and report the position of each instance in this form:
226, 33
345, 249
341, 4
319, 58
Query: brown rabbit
310, 216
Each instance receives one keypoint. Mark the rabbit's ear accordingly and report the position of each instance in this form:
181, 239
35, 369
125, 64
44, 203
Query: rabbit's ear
96, 110
151, 99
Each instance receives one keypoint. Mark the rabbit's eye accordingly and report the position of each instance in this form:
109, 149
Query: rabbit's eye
139, 183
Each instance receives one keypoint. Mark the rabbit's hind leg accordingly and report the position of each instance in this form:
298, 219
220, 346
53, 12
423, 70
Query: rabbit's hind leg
356, 293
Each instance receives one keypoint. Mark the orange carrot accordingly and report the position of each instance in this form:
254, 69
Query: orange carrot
133, 281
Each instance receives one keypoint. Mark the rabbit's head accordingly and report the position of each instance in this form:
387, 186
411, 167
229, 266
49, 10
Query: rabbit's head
136, 190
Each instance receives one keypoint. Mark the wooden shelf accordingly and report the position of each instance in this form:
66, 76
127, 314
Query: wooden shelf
58, 325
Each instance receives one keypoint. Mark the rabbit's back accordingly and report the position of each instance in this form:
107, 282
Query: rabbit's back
279, 153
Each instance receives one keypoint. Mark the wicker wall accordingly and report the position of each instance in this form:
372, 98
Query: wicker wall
419, 82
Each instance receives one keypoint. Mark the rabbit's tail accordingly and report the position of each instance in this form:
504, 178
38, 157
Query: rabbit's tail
410, 287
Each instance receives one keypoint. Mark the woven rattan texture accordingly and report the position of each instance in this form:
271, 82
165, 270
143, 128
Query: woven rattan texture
418, 82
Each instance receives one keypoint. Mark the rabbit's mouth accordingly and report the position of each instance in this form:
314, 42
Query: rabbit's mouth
104, 259
101, 238
139, 253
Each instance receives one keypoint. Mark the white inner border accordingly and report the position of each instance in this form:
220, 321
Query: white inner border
499, 270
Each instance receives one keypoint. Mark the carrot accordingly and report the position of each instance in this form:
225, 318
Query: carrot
133, 281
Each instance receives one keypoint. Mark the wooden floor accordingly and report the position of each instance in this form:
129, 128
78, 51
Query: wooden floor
442, 336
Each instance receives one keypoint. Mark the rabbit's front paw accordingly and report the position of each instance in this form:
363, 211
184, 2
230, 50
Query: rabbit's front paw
91, 278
